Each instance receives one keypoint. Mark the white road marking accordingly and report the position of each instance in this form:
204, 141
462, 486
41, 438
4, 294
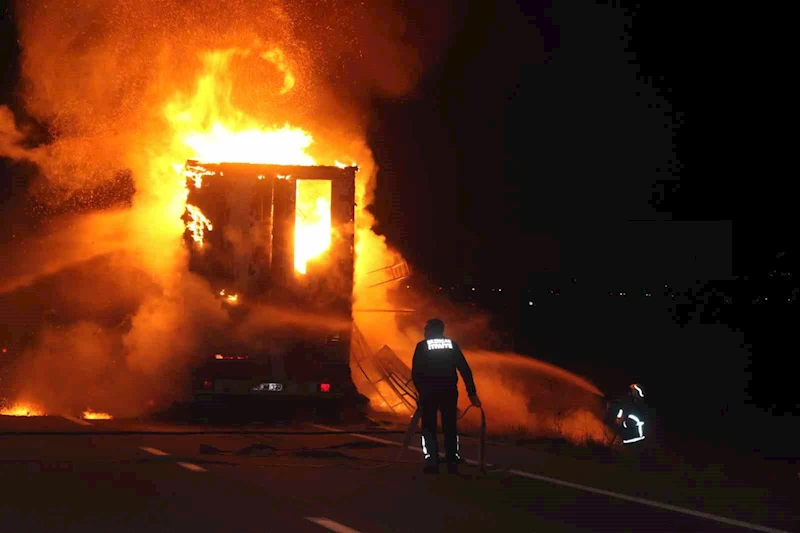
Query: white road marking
153, 451
651, 503
193, 467
76, 420
330, 524
188, 466
555, 481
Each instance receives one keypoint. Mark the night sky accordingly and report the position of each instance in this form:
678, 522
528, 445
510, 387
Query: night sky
541, 144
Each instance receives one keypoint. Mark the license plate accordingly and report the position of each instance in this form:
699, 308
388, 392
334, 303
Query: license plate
268, 387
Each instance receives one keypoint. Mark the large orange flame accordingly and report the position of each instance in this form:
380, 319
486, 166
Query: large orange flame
94, 415
21, 409
214, 131
312, 221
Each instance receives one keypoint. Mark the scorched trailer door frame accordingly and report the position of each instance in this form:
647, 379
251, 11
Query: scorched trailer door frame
249, 250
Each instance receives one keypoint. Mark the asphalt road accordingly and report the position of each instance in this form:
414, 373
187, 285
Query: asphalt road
62, 475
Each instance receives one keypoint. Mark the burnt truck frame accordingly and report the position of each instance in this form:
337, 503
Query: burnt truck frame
249, 253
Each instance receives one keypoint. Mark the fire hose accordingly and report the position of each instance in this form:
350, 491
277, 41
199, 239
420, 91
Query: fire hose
412, 426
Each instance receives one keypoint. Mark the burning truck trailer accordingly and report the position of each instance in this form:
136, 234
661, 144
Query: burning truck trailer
276, 244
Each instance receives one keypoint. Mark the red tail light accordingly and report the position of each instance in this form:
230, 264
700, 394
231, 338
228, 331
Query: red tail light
324, 387
208, 384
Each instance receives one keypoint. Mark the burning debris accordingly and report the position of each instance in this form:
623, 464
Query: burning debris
21, 409
196, 174
231, 299
94, 415
275, 233
198, 224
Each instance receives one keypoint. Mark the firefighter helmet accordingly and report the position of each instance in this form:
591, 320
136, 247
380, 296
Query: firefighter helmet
636, 390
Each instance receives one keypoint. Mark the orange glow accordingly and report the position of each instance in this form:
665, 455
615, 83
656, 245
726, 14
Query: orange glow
277, 58
230, 298
312, 234
196, 173
214, 131
224, 144
198, 224
94, 415
21, 409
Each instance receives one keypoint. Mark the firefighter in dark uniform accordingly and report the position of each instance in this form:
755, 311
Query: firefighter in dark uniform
433, 371
625, 415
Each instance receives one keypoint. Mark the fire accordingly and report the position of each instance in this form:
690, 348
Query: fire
230, 298
213, 131
21, 409
94, 415
224, 144
196, 173
312, 234
198, 223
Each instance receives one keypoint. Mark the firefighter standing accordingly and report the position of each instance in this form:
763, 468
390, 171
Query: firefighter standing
433, 371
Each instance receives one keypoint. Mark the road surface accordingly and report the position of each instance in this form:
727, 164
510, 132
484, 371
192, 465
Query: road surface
71, 475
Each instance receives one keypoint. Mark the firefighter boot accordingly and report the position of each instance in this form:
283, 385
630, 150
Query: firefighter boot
430, 449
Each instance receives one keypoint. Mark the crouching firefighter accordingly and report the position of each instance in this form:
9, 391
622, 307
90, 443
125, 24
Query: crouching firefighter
433, 370
626, 415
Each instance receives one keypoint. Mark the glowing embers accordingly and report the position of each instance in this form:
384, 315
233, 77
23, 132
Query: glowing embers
232, 299
440, 344
198, 224
312, 234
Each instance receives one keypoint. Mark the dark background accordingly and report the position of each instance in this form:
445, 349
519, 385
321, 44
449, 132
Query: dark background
571, 152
